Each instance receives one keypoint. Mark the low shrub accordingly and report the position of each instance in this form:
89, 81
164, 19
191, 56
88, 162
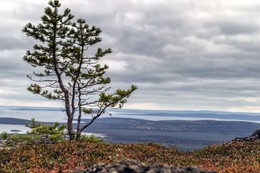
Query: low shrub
90, 138
39, 134
4, 135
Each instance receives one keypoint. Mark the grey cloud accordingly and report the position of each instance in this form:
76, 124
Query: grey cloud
11, 63
234, 26
10, 42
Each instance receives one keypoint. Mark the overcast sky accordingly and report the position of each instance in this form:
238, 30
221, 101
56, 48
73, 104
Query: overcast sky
182, 54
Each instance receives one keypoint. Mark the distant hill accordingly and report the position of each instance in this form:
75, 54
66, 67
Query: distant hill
24, 111
14, 121
186, 135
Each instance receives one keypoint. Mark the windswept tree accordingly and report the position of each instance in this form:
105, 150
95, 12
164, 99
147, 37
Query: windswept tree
64, 70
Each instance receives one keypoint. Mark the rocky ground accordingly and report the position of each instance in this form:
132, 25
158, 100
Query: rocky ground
238, 155
130, 166
253, 137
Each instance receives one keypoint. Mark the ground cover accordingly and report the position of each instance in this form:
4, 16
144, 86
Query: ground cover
239, 156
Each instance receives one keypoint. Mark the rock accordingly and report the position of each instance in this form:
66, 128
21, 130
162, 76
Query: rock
131, 166
253, 137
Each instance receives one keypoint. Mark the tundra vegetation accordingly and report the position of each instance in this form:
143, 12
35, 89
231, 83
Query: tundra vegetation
69, 156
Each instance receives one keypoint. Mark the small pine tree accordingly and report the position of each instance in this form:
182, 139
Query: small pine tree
66, 72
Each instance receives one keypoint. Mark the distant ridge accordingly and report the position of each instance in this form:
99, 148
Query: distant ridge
153, 114
136, 110
186, 135
14, 121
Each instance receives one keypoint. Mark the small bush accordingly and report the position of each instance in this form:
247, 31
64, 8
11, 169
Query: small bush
56, 138
90, 138
4, 135
42, 134
39, 134
15, 138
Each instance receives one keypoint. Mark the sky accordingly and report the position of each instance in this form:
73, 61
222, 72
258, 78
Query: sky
182, 54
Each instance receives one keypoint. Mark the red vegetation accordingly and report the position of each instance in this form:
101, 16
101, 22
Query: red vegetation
63, 157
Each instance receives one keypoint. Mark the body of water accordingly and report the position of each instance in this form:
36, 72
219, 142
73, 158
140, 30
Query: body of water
45, 114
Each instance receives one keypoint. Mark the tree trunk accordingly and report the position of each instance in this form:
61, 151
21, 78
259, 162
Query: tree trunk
78, 124
78, 135
70, 128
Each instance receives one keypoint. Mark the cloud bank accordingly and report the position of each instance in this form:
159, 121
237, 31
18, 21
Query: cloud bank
182, 54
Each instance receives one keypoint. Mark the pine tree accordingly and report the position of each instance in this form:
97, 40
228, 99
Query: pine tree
64, 70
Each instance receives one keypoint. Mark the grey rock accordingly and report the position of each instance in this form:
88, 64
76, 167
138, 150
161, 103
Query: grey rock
131, 166
256, 134
253, 137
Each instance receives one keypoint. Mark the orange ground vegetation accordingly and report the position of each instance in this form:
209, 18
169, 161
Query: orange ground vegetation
63, 157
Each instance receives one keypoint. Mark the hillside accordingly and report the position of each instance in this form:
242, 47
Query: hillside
239, 156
